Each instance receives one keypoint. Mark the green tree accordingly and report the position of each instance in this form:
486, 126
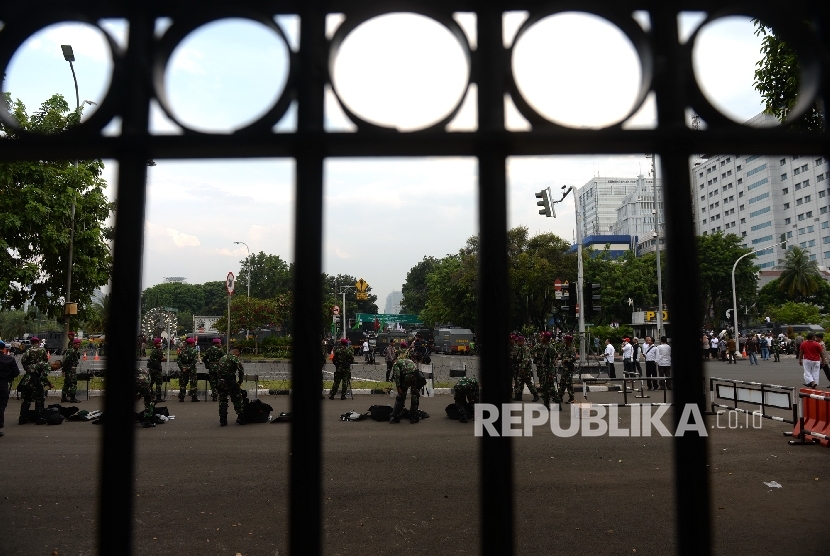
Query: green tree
452, 292
796, 313
415, 289
35, 220
13, 324
250, 313
215, 299
778, 79
626, 277
270, 276
717, 254
332, 287
187, 298
98, 317
800, 277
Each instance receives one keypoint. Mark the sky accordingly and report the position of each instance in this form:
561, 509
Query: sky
381, 215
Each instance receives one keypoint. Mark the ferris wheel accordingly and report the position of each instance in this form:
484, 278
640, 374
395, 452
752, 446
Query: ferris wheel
157, 320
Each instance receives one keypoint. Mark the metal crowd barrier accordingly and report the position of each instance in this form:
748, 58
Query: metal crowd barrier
756, 393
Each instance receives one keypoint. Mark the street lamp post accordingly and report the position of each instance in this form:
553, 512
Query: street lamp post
734, 294
69, 56
657, 250
250, 269
343, 317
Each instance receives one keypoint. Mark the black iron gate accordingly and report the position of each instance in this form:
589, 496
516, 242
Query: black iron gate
666, 70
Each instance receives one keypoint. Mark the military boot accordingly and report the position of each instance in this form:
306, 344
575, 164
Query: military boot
240, 420
223, 419
413, 417
39, 413
194, 399
73, 400
396, 411
63, 398
24, 414
517, 398
463, 411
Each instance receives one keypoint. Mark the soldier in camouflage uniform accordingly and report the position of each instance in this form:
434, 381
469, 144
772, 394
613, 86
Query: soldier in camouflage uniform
342, 359
405, 377
187, 365
523, 370
70, 372
544, 356
566, 355
466, 392
144, 391
32, 385
154, 367
229, 375
34, 355
212, 356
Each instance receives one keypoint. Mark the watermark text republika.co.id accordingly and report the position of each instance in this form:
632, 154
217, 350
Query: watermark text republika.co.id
590, 420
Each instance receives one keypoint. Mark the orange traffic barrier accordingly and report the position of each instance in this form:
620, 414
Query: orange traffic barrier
48, 355
743, 354
814, 424
96, 356
84, 356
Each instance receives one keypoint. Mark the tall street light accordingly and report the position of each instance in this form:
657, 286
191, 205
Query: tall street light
250, 269
734, 294
657, 249
69, 307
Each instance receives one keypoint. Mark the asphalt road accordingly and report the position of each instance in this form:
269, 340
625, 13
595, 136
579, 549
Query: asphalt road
410, 489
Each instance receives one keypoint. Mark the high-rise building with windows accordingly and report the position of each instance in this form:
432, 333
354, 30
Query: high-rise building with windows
393, 303
599, 200
760, 197
636, 215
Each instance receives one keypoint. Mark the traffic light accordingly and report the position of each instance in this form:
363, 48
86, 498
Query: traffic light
592, 299
544, 203
569, 294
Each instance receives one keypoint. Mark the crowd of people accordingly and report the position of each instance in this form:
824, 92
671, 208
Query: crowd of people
553, 356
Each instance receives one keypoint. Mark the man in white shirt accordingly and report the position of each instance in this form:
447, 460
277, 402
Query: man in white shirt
664, 361
608, 358
650, 351
628, 359
366, 350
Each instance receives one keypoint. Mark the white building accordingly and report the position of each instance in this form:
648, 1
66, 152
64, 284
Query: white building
393, 303
599, 200
636, 216
759, 198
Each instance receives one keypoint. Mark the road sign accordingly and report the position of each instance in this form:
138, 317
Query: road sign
229, 283
362, 287
557, 285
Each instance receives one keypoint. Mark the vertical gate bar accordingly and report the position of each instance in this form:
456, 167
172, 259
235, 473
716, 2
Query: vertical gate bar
306, 460
489, 63
117, 453
693, 523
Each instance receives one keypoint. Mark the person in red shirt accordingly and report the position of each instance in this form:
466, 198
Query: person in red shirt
810, 357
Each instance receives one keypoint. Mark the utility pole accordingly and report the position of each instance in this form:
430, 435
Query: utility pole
343, 318
580, 280
657, 250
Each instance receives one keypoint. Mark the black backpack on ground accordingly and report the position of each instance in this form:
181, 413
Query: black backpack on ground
380, 412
